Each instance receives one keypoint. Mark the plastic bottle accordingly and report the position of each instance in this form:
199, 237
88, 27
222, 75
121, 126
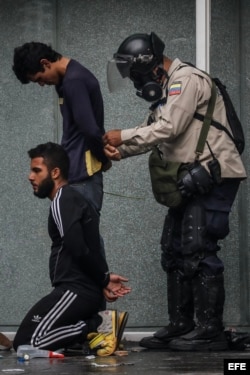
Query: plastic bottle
26, 352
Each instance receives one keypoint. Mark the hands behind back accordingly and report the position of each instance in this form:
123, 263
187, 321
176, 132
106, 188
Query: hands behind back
112, 153
116, 288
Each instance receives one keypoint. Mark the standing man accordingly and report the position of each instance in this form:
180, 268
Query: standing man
78, 270
81, 106
191, 232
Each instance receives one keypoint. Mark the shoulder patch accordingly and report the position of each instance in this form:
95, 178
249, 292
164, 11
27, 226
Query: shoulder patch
175, 88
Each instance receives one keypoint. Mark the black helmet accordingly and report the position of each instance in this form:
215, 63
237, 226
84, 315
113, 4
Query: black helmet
140, 58
143, 52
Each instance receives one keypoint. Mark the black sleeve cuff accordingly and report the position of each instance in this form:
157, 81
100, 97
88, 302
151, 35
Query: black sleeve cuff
106, 279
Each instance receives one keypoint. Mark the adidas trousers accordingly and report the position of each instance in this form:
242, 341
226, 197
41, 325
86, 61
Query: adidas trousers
57, 320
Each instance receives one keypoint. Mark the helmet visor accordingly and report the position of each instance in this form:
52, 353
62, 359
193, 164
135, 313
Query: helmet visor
118, 72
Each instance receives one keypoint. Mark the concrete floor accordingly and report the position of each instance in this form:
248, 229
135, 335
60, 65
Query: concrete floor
138, 361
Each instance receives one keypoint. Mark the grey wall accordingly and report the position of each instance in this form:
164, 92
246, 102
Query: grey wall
91, 31
230, 29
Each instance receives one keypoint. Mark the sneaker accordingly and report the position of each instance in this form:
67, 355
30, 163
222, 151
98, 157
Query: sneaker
109, 333
95, 339
5, 343
109, 322
105, 339
122, 321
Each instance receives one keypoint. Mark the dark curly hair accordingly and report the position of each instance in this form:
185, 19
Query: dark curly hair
54, 157
27, 59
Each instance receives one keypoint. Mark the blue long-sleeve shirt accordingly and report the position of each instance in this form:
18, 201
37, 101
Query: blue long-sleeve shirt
81, 106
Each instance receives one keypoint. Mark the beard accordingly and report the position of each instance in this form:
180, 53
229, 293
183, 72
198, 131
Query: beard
45, 188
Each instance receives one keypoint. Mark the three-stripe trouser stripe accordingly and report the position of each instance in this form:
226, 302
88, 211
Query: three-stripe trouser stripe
44, 335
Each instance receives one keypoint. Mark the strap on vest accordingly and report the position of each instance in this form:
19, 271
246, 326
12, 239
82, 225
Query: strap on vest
214, 123
206, 122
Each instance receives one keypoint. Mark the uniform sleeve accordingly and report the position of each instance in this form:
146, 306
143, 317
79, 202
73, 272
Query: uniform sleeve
78, 225
78, 96
135, 149
172, 118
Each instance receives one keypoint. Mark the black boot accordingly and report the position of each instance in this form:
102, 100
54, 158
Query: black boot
180, 310
209, 297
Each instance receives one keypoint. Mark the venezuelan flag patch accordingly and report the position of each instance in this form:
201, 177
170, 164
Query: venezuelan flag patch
175, 89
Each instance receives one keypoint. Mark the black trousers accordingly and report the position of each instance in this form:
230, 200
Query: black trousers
217, 206
56, 321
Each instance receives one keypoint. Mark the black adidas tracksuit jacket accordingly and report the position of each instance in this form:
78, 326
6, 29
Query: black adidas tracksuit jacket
78, 273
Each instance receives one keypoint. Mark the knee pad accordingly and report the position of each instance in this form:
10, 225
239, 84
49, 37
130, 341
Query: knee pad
193, 237
167, 232
193, 229
166, 248
218, 223
167, 260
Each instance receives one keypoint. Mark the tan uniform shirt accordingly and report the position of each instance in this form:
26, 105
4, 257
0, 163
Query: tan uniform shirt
175, 129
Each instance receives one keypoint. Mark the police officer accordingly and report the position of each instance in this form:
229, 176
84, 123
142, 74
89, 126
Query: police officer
176, 90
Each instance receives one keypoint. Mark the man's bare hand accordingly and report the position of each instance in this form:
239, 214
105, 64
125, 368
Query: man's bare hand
113, 138
115, 287
109, 296
112, 153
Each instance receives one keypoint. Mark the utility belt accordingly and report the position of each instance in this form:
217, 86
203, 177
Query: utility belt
174, 182
197, 180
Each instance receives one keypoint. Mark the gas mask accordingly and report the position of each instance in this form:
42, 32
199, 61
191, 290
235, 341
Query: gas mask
148, 86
